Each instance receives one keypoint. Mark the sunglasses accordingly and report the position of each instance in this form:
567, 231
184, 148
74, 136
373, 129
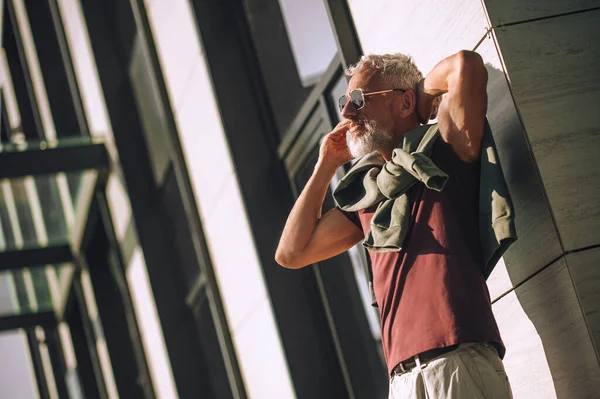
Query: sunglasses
357, 97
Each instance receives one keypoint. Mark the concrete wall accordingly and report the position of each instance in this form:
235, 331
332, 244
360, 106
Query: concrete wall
542, 90
551, 64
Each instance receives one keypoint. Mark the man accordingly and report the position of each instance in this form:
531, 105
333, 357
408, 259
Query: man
416, 203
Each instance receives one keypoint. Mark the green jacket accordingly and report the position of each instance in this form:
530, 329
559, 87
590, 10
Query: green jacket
373, 181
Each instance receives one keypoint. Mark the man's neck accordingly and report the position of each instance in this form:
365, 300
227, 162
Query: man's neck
399, 133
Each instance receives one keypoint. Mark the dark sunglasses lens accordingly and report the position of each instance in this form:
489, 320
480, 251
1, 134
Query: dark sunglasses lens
342, 102
357, 99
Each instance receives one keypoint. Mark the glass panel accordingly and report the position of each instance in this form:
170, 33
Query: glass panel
50, 190
184, 254
33, 290
336, 92
37, 211
311, 37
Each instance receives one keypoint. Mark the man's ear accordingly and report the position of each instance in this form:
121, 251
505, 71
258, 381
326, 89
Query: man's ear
408, 103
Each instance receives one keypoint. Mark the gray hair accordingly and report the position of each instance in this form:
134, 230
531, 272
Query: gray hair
398, 70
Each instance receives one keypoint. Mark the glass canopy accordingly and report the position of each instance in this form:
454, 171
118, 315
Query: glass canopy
46, 189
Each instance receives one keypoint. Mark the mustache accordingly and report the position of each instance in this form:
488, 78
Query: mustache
362, 121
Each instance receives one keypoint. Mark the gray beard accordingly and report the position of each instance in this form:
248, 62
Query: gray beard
371, 137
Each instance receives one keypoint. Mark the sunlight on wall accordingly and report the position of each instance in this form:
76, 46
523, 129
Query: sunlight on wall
152, 337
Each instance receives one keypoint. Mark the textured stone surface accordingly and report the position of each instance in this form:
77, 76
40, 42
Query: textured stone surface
502, 11
549, 350
429, 30
538, 243
552, 65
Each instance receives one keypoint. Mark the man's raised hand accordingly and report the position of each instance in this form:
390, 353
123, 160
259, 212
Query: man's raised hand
334, 150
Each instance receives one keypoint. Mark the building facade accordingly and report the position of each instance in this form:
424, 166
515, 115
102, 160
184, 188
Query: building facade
152, 149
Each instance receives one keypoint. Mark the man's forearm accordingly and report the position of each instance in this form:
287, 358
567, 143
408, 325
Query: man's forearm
305, 214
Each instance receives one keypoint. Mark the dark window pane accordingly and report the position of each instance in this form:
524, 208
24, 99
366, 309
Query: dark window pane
338, 90
217, 372
184, 258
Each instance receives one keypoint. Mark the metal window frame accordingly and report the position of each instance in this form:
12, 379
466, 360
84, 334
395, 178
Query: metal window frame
125, 21
31, 120
57, 253
99, 212
56, 68
40, 160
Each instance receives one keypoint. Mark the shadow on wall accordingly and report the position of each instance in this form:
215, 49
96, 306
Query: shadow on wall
544, 295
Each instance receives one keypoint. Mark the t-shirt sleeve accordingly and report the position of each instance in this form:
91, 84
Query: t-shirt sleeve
352, 216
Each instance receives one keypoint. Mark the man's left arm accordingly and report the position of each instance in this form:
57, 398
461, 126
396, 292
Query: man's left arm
462, 77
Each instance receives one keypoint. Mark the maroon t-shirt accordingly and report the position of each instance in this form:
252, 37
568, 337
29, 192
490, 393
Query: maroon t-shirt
432, 294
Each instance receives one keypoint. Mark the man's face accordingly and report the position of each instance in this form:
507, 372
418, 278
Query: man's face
372, 126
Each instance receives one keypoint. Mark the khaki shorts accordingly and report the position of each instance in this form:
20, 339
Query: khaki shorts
472, 371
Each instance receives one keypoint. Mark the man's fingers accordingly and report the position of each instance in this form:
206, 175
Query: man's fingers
344, 122
337, 137
340, 129
342, 126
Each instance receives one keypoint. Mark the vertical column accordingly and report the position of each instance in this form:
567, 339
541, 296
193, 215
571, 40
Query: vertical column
36, 359
89, 371
31, 122
56, 68
57, 359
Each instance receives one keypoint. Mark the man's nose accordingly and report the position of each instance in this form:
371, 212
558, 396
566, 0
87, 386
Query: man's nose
349, 111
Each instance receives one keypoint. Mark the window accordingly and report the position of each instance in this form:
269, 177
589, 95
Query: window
311, 37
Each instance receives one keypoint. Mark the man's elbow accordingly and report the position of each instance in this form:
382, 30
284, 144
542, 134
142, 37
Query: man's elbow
471, 64
289, 260
469, 59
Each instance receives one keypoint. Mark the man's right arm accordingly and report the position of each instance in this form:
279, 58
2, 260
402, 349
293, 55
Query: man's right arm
309, 237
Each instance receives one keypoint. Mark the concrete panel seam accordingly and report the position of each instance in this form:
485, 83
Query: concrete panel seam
502, 26
553, 261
